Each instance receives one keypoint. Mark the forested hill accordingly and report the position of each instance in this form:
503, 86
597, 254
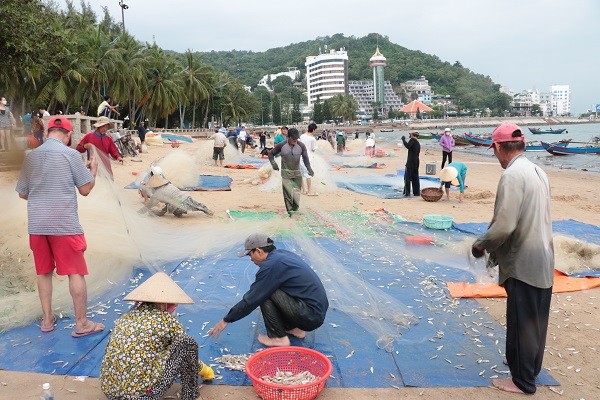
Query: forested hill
471, 89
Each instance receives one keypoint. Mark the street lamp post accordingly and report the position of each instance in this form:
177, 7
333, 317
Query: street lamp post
123, 8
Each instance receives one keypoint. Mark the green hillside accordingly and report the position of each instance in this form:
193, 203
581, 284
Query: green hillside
471, 90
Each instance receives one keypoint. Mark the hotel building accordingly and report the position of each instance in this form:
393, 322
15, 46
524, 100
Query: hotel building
326, 75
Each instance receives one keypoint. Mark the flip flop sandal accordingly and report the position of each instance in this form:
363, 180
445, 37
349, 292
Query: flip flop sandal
96, 328
50, 328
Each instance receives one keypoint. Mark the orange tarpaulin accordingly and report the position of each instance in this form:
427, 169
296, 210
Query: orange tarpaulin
562, 283
241, 166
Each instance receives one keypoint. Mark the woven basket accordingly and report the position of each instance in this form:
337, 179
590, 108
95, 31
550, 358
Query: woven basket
432, 194
288, 359
436, 221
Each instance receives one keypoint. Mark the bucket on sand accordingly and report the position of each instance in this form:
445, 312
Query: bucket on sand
430, 169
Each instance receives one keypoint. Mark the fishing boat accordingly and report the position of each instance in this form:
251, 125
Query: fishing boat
540, 131
425, 136
386, 130
536, 145
591, 147
476, 140
458, 140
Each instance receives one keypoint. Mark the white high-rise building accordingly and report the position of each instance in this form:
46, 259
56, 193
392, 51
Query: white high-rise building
326, 75
561, 99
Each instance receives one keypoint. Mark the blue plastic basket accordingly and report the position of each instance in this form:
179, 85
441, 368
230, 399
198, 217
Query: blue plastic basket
437, 221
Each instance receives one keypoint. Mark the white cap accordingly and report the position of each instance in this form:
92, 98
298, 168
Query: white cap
46, 386
156, 170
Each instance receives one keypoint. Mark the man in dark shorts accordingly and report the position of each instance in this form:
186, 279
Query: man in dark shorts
219, 146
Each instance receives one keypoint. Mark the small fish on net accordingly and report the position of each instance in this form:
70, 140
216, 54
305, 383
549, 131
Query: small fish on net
235, 362
290, 379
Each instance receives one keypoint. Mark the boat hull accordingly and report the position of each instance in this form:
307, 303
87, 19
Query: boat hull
538, 131
558, 150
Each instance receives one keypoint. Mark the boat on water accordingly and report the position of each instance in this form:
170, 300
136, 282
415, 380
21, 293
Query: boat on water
486, 140
386, 130
477, 140
536, 145
558, 149
540, 131
459, 140
425, 136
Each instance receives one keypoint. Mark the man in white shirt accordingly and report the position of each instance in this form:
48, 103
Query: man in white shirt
242, 139
310, 142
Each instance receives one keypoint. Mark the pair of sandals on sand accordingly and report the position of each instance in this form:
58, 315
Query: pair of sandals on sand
95, 327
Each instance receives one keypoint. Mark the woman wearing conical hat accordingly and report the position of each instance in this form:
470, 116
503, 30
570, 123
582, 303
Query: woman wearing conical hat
148, 348
454, 174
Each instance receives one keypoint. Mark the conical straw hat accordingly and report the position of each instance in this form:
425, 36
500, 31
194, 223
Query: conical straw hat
159, 288
449, 174
156, 181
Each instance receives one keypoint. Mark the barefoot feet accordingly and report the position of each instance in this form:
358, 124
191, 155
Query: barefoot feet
274, 342
507, 385
297, 332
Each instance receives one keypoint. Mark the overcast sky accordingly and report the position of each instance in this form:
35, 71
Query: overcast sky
520, 44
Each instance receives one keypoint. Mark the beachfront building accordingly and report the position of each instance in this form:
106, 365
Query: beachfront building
420, 87
561, 100
364, 93
378, 62
293, 73
326, 75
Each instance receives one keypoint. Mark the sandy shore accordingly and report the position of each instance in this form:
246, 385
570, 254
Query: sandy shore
572, 352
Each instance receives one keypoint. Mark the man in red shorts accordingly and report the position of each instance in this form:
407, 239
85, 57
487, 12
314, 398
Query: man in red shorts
48, 180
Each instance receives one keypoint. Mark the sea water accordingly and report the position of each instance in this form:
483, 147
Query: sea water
583, 133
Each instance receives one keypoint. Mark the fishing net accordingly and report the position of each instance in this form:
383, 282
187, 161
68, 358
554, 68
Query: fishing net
572, 255
118, 237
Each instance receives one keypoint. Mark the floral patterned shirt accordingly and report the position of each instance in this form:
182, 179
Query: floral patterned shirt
137, 351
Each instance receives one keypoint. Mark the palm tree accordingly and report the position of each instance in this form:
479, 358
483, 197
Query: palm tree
98, 63
61, 82
197, 80
165, 84
344, 107
130, 77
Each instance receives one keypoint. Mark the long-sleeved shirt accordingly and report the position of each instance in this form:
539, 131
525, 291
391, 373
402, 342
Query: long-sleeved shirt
520, 234
137, 351
283, 270
462, 174
104, 143
447, 143
290, 159
414, 149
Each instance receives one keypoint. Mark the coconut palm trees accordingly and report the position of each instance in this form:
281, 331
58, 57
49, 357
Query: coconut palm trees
343, 106
78, 60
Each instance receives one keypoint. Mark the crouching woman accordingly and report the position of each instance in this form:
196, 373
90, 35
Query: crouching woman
148, 348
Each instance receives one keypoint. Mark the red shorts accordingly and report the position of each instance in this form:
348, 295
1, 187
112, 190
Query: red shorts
65, 253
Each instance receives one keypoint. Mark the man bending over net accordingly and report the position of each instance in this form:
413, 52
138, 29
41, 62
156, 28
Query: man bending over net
158, 190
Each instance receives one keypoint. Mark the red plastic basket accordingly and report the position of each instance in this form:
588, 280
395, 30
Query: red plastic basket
288, 359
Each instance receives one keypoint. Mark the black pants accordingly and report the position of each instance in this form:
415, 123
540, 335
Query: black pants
448, 155
282, 312
527, 313
411, 177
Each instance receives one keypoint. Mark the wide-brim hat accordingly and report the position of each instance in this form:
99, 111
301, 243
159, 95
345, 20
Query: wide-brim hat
101, 122
449, 174
156, 181
159, 288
